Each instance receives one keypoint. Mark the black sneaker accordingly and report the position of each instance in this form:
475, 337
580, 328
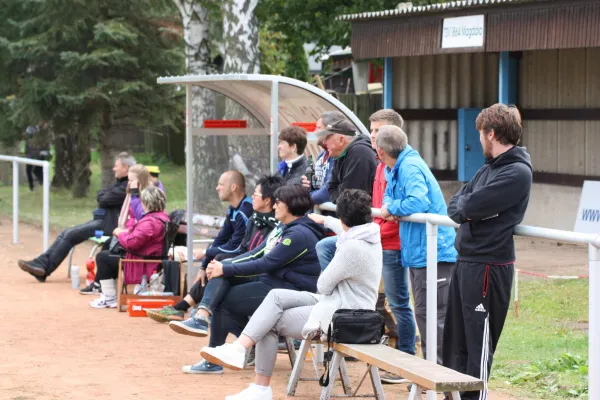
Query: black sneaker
92, 288
41, 279
33, 267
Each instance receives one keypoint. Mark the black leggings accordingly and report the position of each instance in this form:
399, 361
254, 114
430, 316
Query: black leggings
107, 265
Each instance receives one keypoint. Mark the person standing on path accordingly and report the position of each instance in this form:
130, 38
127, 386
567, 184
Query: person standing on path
487, 208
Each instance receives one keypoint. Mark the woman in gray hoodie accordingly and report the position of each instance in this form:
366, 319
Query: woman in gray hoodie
351, 281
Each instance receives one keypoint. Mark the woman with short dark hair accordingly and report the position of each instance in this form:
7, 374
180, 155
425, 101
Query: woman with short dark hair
351, 281
287, 259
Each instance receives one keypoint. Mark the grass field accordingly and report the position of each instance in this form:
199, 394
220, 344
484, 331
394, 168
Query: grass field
541, 354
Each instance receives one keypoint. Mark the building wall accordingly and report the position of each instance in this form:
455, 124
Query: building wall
447, 81
567, 78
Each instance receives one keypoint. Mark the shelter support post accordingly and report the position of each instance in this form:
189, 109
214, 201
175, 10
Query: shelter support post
189, 177
274, 131
507, 75
432, 277
387, 82
46, 205
594, 318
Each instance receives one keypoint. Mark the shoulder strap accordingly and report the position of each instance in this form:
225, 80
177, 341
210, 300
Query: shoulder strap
324, 380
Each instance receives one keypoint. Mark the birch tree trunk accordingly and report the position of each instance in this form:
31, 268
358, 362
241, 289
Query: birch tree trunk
241, 55
210, 152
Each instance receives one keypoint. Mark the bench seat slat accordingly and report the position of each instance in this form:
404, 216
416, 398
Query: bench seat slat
422, 372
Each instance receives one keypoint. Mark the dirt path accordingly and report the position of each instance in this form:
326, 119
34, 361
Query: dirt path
54, 346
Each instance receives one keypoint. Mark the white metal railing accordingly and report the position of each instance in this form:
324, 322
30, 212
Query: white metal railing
591, 240
46, 188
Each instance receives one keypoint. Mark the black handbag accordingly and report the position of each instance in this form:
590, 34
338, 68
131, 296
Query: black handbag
352, 327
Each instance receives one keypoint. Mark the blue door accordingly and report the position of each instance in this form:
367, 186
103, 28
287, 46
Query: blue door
470, 153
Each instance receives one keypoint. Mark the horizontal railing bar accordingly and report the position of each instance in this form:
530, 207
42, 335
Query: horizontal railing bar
520, 230
23, 160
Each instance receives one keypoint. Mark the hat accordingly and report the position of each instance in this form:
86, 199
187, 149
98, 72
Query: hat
343, 127
153, 169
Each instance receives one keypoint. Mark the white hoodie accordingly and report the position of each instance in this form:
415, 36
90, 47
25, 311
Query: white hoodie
351, 280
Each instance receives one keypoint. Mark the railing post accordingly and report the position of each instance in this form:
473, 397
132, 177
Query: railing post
15, 202
432, 279
46, 206
594, 318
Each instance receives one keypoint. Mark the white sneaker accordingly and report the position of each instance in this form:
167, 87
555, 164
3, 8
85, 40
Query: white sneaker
253, 392
104, 302
231, 356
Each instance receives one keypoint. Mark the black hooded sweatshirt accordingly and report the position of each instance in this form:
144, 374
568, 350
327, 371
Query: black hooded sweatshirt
490, 206
354, 168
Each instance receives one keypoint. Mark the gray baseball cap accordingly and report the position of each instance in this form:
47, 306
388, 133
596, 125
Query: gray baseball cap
343, 127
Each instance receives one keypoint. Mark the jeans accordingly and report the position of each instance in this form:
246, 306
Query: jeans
68, 239
107, 265
240, 302
217, 289
395, 281
326, 250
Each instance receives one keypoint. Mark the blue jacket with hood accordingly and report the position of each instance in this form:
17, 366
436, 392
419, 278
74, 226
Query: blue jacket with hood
292, 263
412, 188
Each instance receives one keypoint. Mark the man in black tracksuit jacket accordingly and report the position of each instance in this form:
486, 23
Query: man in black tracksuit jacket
487, 209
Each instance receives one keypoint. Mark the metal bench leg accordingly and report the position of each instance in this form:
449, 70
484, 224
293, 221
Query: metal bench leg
70, 260
297, 368
345, 378
93, 252
333, 369
415, 392
289, 343
376, 381
455, 395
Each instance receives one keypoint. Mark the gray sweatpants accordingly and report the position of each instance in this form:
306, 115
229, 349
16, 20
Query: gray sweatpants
418, 281
282, 313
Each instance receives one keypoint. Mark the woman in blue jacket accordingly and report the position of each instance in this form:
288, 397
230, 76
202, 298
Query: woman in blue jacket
237, 287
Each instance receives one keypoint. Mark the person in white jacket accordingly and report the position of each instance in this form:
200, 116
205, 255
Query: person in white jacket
351, 281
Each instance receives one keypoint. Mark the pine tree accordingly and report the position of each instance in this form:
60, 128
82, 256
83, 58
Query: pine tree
92, 68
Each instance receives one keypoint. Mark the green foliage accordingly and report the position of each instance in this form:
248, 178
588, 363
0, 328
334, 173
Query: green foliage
281, 56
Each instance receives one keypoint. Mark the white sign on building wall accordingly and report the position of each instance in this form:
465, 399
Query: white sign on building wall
588, 214
463, 32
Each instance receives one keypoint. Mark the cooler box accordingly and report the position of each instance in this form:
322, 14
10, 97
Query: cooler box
137, 307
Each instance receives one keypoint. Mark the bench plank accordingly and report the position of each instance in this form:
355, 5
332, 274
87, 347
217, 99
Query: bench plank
421, 372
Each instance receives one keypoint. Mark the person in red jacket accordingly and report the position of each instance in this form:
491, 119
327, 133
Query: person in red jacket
144, 240
394, 276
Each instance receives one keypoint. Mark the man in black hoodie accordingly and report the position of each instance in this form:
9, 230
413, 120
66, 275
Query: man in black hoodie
355, 159
487, 209
106, 217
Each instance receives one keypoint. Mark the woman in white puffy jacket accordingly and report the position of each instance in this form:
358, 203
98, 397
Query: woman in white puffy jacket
351, 281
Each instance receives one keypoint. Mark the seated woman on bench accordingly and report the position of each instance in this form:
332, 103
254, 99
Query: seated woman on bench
144, 240
351, 281
237, 287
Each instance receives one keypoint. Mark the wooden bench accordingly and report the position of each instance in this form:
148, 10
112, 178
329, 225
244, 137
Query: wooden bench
424, 374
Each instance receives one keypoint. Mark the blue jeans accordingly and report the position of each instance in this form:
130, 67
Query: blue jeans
395, 283
326, 250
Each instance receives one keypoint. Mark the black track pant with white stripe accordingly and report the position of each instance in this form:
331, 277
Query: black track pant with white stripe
477, 306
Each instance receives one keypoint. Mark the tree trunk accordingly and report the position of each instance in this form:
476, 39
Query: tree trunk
209, 152
82, 156
63, 161
241, 55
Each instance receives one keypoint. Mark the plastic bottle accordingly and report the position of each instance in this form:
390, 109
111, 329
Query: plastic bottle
75, 276
154, 283
310, 171
90, 264
142, 287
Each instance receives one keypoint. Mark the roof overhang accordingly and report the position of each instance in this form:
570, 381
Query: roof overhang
297, 101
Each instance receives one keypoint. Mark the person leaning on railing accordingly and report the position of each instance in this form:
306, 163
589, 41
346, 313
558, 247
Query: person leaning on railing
412, 188
487, 208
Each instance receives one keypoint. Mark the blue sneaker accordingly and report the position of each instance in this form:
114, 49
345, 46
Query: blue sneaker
203, 367
197, 326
